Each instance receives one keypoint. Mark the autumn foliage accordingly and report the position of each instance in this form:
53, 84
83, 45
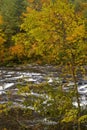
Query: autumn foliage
49, 32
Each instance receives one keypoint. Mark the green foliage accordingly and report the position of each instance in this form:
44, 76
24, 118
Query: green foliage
11, 11
52, 103
47, 101
46, 26
83, 119
70, 116
52, 32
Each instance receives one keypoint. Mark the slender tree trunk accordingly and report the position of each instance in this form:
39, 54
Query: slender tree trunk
76, 93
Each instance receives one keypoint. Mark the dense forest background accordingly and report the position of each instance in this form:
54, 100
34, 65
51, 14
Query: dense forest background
36, 30
46, 32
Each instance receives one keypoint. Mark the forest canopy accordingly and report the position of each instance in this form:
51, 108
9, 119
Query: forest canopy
42, 31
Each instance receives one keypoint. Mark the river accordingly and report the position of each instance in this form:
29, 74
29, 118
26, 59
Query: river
11, 77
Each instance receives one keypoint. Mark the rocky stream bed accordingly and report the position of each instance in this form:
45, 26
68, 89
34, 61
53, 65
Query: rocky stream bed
12, 77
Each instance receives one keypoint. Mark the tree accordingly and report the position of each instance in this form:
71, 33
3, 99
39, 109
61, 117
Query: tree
37, 4
56, 34
11, 12
2, 41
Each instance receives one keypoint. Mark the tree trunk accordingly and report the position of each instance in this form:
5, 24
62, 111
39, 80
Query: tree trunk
76, 93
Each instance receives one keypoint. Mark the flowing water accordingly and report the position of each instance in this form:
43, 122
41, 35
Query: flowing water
12, 77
